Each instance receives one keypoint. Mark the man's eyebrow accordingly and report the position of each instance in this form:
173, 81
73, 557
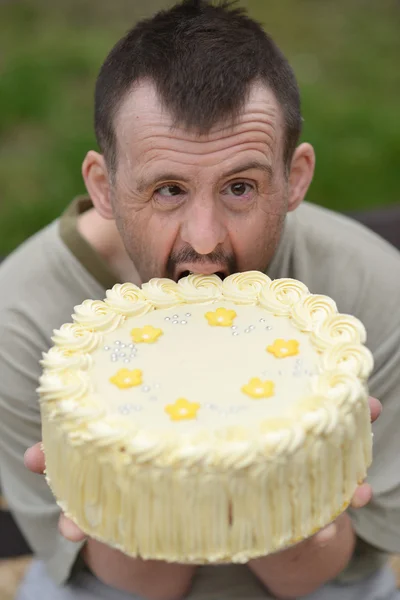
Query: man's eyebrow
143, 183
254, 164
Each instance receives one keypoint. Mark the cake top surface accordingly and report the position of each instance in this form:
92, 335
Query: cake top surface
201, 367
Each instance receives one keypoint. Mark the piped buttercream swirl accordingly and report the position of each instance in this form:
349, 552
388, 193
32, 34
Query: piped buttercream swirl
162, 293
200, 288
282, 295
348, 357
95, 315
339, 387
338, 328
245, 288
59, 359
313, 309
56, 386
127, 299
75, 338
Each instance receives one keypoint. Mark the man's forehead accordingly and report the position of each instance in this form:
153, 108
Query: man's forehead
143, 114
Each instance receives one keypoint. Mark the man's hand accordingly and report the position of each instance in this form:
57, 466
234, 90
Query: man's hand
303, 568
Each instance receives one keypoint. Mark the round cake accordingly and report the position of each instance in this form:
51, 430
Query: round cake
206, 420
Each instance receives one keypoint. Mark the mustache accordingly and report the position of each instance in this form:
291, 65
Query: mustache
189, 255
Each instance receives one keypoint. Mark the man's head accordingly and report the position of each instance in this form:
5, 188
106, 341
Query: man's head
198, 117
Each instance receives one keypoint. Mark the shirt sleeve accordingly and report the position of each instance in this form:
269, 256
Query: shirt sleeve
28, 495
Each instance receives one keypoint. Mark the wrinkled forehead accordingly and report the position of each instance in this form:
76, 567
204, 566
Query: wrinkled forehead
144, 123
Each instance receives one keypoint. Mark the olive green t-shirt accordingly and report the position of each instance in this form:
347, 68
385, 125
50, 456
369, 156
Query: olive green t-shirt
55, 270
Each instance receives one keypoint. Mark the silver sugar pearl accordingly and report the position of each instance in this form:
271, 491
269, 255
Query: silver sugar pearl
175, 322
126, 360
117, 343
167, 319
106, 348
234, 327
247, 330
131, 346
298, 361
122, 345
262, 320
235, 333
122, 354
146, 388
268, 328
114, 357
188, 314
175, 316
251, 327
183, 322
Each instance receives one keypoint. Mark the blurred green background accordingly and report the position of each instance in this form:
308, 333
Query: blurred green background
345, 54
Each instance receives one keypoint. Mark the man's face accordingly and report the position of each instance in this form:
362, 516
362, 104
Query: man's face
204, 204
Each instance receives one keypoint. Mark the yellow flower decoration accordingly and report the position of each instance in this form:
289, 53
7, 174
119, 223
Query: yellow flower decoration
147, 334
282, 349
259, 389
182, 409
125, 378
222, 317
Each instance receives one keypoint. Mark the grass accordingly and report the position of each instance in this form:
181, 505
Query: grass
345, 54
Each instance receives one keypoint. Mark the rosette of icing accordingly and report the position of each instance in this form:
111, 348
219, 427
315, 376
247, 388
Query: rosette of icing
59, 359
200, 288
350, 358
314, 309
281, 295
244, 288
338, 328
162, 293
338, 386
127, 299
69, 385
96, 315
75, 338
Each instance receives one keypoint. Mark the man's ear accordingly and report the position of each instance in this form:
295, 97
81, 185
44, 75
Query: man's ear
96, 177
301, 174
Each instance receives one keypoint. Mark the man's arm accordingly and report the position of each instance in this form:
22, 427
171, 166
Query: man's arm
154, 580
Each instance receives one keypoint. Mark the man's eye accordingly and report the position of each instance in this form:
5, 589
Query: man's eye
169, 190
240, 188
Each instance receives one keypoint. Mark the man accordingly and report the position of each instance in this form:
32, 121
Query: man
198, 119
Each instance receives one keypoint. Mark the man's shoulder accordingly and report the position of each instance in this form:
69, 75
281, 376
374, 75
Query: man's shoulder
339, 257
42, 281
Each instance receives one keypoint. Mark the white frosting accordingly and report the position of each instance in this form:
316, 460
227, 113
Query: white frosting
245, 288
200, 288
127, 299
97, 316
162, 293
281, 295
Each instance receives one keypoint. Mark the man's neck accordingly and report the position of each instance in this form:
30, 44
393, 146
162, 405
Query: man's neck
104, 238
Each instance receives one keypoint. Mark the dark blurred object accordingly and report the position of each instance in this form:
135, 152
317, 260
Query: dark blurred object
12, 542
383, 221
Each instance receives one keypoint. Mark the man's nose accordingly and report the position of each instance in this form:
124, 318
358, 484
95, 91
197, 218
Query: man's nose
203, 228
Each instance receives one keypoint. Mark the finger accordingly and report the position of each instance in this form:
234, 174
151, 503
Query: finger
362, 496
34, 459
69, 530
323, 537
375, 407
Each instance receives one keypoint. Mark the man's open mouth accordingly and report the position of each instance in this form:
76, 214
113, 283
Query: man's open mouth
220, 274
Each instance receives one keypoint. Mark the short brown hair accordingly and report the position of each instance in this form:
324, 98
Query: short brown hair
202, 59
